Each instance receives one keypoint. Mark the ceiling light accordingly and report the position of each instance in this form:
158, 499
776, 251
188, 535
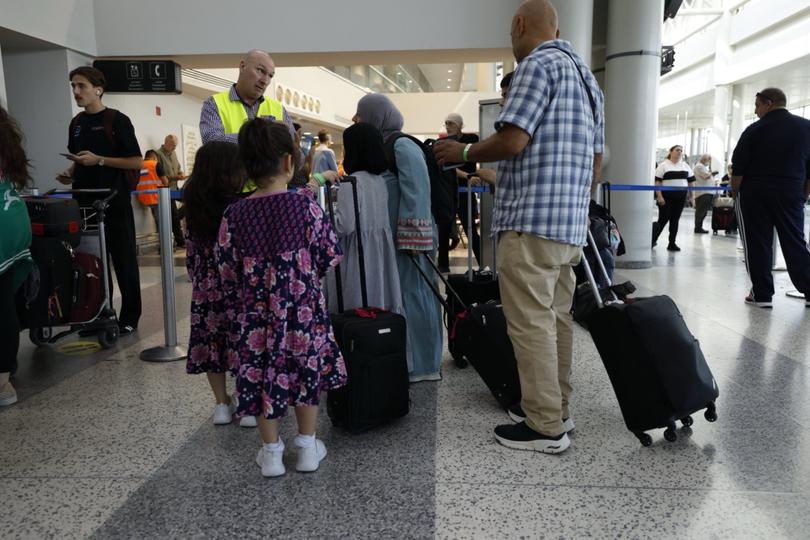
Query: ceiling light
448, 86
409, 81
449, 71
449, 80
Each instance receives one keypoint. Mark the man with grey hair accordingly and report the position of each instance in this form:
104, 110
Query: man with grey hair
703, 199
223, 114
167, 158
771, 181
549, 141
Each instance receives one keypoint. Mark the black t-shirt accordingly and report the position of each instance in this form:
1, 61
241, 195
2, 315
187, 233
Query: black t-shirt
87, 133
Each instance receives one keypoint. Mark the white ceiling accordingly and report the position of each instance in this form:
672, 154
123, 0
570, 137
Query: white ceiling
442, 76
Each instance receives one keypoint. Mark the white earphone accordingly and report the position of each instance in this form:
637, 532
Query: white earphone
98, 92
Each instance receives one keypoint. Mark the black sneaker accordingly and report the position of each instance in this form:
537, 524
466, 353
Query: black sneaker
701, 231
522, 437
673, 247
517, 415
126, 329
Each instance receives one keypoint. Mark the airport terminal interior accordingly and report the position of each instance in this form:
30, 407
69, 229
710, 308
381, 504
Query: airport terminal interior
102, 444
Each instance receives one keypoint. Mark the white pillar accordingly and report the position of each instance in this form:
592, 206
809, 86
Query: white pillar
720, 126
39, 98
3, 97
575, 19
631, 118
738, 110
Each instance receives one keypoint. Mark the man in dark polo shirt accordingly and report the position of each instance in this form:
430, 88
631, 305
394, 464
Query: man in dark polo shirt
103, 147
771, 181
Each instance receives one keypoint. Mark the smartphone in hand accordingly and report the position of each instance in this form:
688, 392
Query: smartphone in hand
71, 157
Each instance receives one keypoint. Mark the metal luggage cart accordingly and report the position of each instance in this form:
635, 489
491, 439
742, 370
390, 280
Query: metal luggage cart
103, 323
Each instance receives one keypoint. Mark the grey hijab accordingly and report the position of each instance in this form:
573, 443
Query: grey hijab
380, 112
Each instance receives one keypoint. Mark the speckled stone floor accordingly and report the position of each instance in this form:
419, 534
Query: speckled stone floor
107, 446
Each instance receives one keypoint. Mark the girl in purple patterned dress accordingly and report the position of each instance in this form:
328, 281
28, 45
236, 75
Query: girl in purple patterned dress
273, 249
215, 182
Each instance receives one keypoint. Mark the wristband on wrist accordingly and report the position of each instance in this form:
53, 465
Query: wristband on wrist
466, 149
319, 177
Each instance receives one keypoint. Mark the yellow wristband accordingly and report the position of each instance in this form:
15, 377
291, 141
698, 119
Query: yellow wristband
466, 149
319, 177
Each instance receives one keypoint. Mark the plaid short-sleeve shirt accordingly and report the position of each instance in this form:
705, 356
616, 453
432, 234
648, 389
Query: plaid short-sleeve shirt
545, 190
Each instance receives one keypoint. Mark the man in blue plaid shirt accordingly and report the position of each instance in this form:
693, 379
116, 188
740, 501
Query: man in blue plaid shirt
550, 140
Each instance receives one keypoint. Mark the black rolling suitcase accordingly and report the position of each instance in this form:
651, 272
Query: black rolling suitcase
656, 367
723, 219
472, 287
480, 335
373, 343
52, 301
55, 217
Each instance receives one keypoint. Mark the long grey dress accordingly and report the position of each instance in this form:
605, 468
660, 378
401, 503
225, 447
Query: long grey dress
382, 277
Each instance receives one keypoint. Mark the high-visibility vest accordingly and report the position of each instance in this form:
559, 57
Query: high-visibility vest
149, 180
233, 113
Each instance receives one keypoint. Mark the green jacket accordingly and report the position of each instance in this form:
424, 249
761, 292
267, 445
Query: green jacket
16, 238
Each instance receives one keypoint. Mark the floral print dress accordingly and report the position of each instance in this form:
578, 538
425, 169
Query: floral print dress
207, 343
272, 252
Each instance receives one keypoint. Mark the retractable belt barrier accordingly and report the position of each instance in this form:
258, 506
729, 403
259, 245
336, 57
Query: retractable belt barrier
170, 351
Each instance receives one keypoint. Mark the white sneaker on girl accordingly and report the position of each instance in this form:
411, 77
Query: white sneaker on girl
311, 452
269, 459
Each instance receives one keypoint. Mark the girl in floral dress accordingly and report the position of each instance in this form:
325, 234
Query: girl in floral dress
273, 249
215, 182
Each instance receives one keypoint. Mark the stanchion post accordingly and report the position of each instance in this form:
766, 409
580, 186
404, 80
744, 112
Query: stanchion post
170, 352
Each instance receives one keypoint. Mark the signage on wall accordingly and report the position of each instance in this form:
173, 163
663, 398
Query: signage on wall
140, 76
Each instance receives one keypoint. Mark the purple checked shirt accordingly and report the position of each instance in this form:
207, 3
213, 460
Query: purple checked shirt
211, 128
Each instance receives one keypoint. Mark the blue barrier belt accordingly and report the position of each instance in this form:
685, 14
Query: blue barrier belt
475, 189
638, 187
176, 195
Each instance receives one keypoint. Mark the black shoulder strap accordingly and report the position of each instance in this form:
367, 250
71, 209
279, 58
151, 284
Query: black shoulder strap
109, 120
582, 77
390, 154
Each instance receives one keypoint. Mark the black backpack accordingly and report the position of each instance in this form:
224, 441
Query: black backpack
442, 190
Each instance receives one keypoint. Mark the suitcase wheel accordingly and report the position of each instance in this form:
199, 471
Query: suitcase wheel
687, 421
714, 232
39, 336
670, 435
711, 412
459, 360
108, 337
644, 438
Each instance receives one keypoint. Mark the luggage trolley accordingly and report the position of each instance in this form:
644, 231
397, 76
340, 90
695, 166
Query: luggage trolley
90, 310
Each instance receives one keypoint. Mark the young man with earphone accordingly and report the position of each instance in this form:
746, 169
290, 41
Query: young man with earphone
103, 148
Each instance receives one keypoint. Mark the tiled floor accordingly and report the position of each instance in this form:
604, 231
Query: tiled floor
108, 446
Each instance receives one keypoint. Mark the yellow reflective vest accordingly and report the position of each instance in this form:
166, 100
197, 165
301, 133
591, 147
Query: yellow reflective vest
233, 113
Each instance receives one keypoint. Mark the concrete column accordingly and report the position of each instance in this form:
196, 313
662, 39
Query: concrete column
3, 97
720, 126
738, 109
631, 118
40, 99
576, 25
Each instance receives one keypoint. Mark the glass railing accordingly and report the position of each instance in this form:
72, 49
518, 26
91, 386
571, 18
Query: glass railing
391, 79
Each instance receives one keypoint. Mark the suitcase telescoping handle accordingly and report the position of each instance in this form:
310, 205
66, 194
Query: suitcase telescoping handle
432, 286
351, 180
591, 279
470, 235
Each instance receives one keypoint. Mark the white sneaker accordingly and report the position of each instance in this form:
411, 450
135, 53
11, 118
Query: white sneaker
247, 421
310, 458
270, 461
428, 377
223, 413
8, 395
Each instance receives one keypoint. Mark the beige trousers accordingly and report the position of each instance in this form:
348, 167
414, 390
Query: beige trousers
537, 282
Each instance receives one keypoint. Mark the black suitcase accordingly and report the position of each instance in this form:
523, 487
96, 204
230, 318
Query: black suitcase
373, 343
472, 287
55, 217
656, 367
480, 335
53, 300
723, 219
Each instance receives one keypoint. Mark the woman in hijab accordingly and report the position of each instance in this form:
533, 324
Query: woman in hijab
414, 232
365, 161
